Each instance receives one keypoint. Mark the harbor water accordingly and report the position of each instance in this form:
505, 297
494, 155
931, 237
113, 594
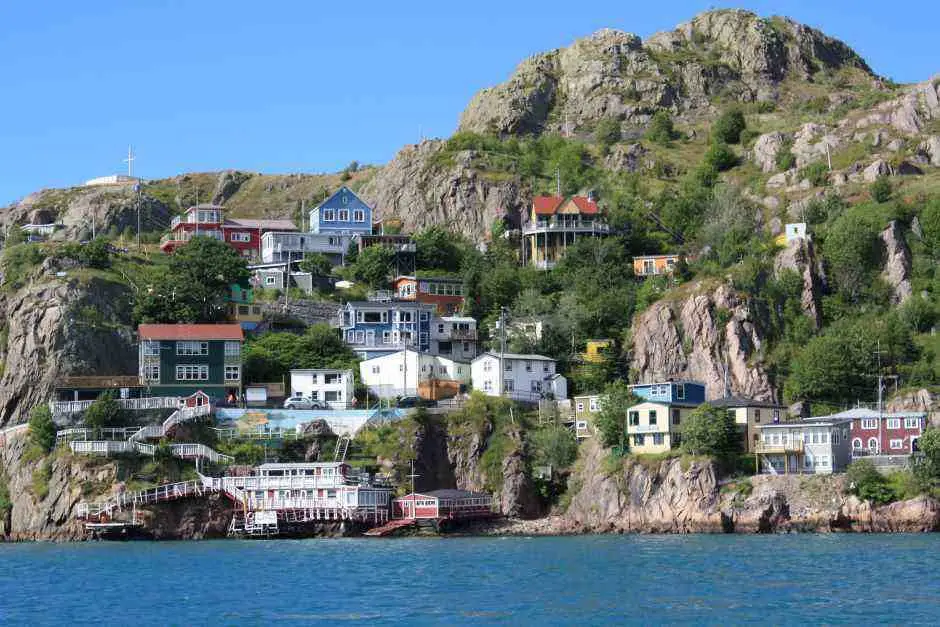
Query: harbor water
591, 580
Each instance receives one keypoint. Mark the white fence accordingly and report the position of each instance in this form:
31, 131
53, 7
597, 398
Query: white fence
60, 408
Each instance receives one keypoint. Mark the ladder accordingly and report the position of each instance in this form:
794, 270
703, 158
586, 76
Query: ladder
342, 447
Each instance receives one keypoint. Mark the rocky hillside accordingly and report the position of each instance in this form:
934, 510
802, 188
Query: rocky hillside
730, 54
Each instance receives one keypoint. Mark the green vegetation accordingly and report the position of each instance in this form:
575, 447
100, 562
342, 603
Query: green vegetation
816, 173
611, 420
374, 266
104, 412
660, 129
94, 254
607, 133
40, 479
710, 431
881, 189
554, 446
729, 126
42, 429
316, 264
271, 356
19, 260
6, 503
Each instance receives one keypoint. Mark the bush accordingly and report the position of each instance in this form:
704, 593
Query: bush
720, 157
729, 126
104, 412
660, 130
881, 189
785, 159
710, 431
554, 446
867, 483
41, 428
817, 174
607, 132
18, 261
611, 420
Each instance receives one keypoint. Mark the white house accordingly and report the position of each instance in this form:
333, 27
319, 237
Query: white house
410, 373
521, 377
454, 337
334, 387
819, 446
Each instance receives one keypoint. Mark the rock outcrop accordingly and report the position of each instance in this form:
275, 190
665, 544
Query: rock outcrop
765, 150
422, 191
696, 335
800, 257
55, 329
613, 74
897, 263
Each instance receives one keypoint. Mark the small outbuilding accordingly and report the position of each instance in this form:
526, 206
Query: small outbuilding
443, 504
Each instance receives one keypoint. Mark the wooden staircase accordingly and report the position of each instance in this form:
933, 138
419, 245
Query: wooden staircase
342, 447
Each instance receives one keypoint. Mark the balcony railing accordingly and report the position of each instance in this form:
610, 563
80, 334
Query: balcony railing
578, 226
780, 447
664, 428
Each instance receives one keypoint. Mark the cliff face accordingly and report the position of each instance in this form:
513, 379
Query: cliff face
421, 192
613, 74
670, 497
694, 336
55, 329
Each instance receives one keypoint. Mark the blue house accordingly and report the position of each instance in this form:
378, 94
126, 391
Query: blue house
343, 212
671, 392
376, 328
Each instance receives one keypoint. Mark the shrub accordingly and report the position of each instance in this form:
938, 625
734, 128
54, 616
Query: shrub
729, 126
104, 412
554, 446
785, 158
611, 420
710, 431
41, 428
607, 132
660, 129
720, 157
817, 174
867, 483
881, 189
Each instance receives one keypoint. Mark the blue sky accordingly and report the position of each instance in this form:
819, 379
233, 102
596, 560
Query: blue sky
301, 86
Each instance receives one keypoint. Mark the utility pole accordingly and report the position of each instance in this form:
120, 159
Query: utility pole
502, 347
558, 181
303, 210
412, 476
880, 389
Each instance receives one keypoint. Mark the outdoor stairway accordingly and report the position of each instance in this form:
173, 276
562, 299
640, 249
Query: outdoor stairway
342, 447
390, 527
159, 494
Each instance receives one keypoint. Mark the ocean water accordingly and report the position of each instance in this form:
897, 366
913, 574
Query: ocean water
594, 580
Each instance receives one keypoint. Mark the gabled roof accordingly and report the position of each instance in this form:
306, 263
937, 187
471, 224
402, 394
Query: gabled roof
191, 332
546, 205
271, 225
354, 200
515, 356
864, 412
737, 401
585, 205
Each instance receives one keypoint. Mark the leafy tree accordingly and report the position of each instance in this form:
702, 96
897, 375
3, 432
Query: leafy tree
42, 429
729, 126
272, 355
554, 446
95, 254
710, 431
817, 174
929, 219
316, 264
438, 249
719, 157
729, 227
15, 235
104, 412
611, 420
660, 129
881, 189
194, 285
375, 265
853, 249
607, 132
867, 483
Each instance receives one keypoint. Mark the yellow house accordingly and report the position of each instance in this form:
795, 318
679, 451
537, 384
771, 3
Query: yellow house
554, 223
594, 351
655, 427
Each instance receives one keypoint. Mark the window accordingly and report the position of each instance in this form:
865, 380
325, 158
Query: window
894, 423
873, 445
634, 417
233, 373
192, 348
580, 407
824, 460
371, 317
375, 370
896, 444
331, 378
870, 423
386, 337
912, 423
233, 349
359, 215
680, 391
194, 372
270, 280
659, 439
652, 416
425, 316
350, 337
756, 415
676, 417
440, 328
857, 444
405, 316
835, 437
528, 366
332, 396
152, 372
638, 439
487, 386
466, 347
593, 404
240, 237
151, 348
344, 215
328, 215
507, 385
422, 338
507, 365
487, 366
547, 366
537, 386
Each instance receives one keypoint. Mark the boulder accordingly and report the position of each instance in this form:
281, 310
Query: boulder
897, 265
800, 257
879, 168
625, 158
930, 149
765, 150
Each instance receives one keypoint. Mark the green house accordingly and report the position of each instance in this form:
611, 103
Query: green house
181, 359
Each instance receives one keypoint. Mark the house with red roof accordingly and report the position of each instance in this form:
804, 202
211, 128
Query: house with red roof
182, 359
242, 234
556, 222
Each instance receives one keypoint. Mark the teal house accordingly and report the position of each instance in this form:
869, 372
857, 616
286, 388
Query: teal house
182, 359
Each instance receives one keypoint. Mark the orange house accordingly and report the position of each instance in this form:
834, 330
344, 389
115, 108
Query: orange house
445, 293
554, 223
655, 265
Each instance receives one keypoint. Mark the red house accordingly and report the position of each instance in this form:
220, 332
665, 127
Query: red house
443, 504
445, 293
244, 235
884, 433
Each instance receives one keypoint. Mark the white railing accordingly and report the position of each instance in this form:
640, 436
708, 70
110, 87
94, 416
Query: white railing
578, 226
303, 482
101, 447
134, 404
186, 414
648, 429
145, 433
194, 451
296, 503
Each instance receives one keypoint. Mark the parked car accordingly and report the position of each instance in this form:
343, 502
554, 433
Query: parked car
414, 401
298, 402
319, 405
